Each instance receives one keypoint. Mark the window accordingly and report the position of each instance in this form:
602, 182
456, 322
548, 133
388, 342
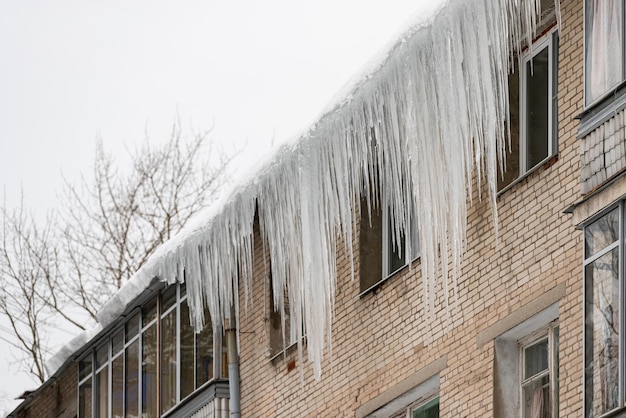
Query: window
533, 101
539, 375
429, 409
603, 265
280, 338
154, 355
526, 368
383, 247
604, 47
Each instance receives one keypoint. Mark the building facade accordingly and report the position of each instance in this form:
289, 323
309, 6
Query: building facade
533, 327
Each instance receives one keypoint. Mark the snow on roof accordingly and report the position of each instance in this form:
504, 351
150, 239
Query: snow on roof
412, 128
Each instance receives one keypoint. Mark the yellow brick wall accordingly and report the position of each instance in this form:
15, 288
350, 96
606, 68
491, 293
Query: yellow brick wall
385, 336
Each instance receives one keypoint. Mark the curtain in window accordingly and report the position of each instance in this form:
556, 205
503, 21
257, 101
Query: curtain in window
603, 46
537, 408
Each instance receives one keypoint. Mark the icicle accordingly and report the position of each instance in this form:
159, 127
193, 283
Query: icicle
418, 128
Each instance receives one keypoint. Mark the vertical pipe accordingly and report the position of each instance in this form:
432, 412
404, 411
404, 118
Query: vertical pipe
233, 366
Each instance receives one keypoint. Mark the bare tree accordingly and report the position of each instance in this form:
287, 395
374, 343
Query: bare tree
107, 227
28, 265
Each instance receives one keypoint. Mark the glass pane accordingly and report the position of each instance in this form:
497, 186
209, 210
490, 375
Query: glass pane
428, 410
168, 298
396, 250
84, 400
603, 42
602, 233
187, 338
102, 394
537, 112
149, 373
132, 380
601, 334
117, 342
102, 355
536, 359
149, 312
512, 160
537, 399
168, 361
204, 353
84, 367
117, 387
132, 327
555, 379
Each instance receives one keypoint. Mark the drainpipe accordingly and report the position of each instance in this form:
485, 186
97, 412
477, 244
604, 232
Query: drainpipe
233, 366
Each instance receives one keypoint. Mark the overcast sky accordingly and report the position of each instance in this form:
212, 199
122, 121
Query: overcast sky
256, 72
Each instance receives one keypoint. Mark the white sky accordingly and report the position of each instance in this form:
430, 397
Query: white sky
75, 70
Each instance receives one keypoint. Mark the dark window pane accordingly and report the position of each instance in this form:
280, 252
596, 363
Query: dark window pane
84, 367
512, 158
168, 298
102, 355
85, 400
132, 380
117, 342
132, 327
428, 410
102, 393
370, 247
601, 334
117, 387
204, 353
536, 358
537, 99
149, 373
396, 248
187, 339
149, 312
168, 361
602, 233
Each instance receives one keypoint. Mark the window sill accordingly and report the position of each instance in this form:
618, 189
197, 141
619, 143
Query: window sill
601, 110
616, 413
286, 351
547, 162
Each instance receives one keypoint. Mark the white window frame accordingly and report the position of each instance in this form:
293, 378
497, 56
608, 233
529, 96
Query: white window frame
422, 403
545, 41
551, 334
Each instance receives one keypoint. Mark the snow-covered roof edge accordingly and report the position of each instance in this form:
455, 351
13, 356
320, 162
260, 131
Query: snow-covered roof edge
442, 87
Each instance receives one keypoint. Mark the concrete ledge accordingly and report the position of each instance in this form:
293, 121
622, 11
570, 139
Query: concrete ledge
540, 303
404, 386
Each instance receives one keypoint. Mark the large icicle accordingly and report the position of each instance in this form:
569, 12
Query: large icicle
418, 126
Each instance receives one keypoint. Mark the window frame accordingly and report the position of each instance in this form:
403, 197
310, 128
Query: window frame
620, 245
390, 243
422, 403
549, 40
130, 337
551, 334
586, 67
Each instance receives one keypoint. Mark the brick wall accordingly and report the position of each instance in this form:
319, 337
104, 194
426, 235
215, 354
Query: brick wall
382, 338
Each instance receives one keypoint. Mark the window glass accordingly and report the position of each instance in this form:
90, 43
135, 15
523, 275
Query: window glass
149, 312
536, 381
132, 327
602, 233
149, 373
204, 354
604, 47
537, 108
117, 342
168, 361
102, 355
428, 410
132, 380
168, 298
117, 387
85, 366
102, 393
85, 399
187, 353
602, 333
